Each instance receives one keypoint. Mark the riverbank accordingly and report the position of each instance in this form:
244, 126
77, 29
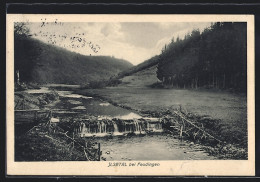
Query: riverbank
42, 144
25, 100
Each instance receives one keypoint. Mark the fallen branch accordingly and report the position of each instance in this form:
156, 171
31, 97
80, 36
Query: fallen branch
197, 126
31, 129
84, 149
177, 128
65, 134
86, 155
54, 139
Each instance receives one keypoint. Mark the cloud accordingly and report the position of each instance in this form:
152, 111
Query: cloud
161, 43
142, 34
132, 41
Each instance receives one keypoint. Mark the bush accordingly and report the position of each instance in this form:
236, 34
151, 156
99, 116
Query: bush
157, 85
95, 84
114, 82
47, 98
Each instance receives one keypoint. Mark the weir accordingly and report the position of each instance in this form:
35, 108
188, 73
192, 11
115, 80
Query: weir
116, 127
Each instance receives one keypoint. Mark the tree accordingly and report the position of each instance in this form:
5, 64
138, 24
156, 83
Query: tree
21, 30
214, 58
26, 51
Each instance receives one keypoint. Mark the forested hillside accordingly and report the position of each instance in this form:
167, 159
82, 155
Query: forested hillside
44, 63
215, 58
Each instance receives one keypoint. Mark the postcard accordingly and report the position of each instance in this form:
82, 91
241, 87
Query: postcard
130, 95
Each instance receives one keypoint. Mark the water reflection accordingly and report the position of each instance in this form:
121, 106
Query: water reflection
104, 104
87, 105
38, 91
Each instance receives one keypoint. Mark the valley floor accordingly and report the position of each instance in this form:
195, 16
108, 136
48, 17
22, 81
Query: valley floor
229, 109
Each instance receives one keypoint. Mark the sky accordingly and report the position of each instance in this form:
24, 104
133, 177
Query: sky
132, 41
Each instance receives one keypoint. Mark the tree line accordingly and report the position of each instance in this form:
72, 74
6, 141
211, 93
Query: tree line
215, 58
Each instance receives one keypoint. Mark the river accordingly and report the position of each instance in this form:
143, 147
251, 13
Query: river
115, 143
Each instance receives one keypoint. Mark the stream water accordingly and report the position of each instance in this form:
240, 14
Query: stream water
112, 124
150, 147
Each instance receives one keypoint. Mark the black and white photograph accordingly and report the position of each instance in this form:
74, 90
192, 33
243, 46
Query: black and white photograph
139, 90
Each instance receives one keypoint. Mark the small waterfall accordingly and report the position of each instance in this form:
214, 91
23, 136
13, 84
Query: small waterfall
85, 130
138, 127
116, 131
100, 129
117, 127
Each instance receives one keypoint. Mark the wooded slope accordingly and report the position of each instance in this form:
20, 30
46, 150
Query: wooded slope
44, 63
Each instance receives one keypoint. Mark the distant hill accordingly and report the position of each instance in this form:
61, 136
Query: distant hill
142, 66
43, 63
143, 74
143, 78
